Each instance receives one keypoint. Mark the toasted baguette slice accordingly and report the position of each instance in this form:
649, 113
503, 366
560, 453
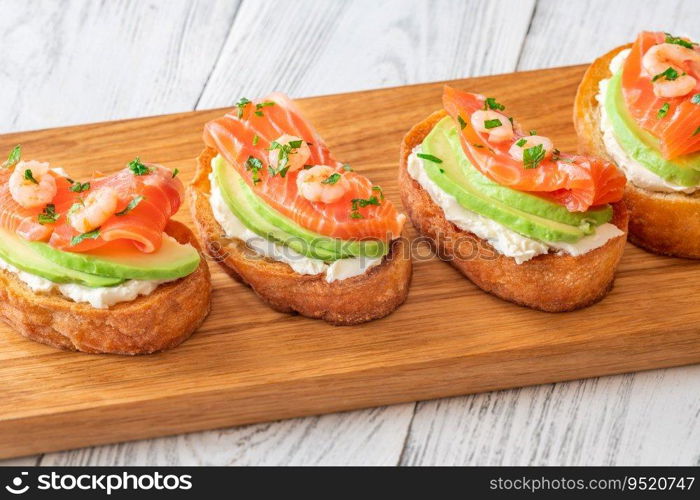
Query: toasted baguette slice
662, 223
550, 282
151, 323
355, 300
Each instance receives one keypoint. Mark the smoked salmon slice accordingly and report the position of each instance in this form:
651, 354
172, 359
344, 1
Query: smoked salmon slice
577, 182
674, 121
146, 203
250, 130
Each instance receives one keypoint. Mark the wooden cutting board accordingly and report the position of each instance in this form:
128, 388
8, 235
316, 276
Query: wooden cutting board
248, 363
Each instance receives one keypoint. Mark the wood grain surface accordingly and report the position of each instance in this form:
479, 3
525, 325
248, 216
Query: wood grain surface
637, 419
248, 363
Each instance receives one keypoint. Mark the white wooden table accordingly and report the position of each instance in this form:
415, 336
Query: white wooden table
70, 62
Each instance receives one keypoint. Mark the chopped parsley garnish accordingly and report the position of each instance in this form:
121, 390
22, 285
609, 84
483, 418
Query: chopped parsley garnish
49, 215
14, 157
358, 203
697, 131
78, 187
492, 123
461, 121
695, 99
347, 167
138, 168
28, 176
556, 154
669, 74
241, 104
332, 179
533, 132
175, 172
254, 165
493, 104
90, 235
284, 150
379, 190
678, 41
132, 205
663, 110
533, 156
442, 170
428, 157
255, 140
521, 143
477, 145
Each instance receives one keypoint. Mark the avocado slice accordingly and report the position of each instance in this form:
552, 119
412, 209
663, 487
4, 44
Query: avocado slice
123, 261
643, 146
267, 222
521, 200
23, 255
524, 213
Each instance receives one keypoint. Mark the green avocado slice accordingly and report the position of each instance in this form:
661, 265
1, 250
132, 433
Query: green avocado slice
265, 221
24, 256
173, 260
521, 212
642, 146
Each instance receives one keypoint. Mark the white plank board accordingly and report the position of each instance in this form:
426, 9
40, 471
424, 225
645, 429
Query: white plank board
313, 47
70, 62
648, 418
576, 32
367, 437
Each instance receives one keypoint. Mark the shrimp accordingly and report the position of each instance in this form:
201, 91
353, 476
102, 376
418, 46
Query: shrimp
322, 183
32, 184
669, 57
496, 125
283, 154
518, 147
94, 210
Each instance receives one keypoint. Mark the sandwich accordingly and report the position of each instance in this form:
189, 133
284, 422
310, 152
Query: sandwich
98, 266
639, 106
307, 233
519, 218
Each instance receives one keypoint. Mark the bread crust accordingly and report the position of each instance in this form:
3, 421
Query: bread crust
148, 324
662, 223
372, 295
551, 282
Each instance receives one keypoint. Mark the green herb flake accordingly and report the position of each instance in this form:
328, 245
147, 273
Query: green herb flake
296, 144
669, 74
461, 121
347, 167
254, 165
137, 167
28, 176
48, 215
132, 205
428, 157
356, 215
381, 193
442, 170
78, 187
258, 113
697, 131
491, 103
663, 110
284, 150
556, 154
488, 124
695, 99
241, 104
14, 157
521, 143
533, 156
255, 140
678, 41
533, 132
332, 179
261, 105
175, 172
90, 235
